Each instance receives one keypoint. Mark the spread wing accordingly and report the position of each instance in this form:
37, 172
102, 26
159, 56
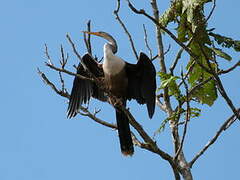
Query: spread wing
142, 82
83, 90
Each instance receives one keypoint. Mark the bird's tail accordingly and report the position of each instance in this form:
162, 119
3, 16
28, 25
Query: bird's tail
124, 133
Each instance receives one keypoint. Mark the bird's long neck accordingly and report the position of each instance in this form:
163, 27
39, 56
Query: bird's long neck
107, 51
111, 63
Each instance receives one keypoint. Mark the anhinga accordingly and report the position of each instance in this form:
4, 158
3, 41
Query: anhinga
125, 81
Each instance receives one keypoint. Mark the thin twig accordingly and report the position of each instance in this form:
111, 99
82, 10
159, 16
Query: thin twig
63, 62
229, 69
68, 72
188, 72
146, 41
174, 64
160, 104
64, 59
211, 12
125, 28
187, 118
49, 83
168, 49
138, 143
87, 38
73, 47
155, 57
94, 118
142, 11
47, 54
215, 137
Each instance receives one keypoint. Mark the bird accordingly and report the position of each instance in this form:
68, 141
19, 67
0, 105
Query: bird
125, 81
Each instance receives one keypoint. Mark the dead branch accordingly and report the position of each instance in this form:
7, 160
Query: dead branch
87, 38
229, 69
222, 128
174, 64
187, 119
146, 41
211, 12
125, 28
49, 83
68, 72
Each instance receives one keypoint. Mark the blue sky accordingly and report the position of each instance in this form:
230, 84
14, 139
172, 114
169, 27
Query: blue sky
37, 142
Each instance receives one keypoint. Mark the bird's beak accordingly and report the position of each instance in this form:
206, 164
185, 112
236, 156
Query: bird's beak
93, 33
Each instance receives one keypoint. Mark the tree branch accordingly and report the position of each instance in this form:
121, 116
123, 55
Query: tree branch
219, 84
146, 41
142, 12
125, 29
49, 83
222, 128
68, 72
188, 113
87, 38
211, 12
174, 64
229, 69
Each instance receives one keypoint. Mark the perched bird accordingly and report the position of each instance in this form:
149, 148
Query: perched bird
125, 81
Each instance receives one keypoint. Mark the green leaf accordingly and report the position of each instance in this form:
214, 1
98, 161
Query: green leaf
195, 112
222, 54
165, 121
171, 13
162, 126
226, 42
169, 81
206, 94
182, 30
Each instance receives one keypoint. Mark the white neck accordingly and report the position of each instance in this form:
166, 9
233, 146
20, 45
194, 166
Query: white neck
111, 63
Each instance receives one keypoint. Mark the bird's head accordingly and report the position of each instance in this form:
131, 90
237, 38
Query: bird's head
108, 37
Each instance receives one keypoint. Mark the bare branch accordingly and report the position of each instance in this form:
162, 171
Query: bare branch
159, 38
155, 57
188, 71
94, 118
211, 12
49, 83
222, 91
47, 54
62, 81
188, 113
222, 128
174, 64
87, 38
142, 11
229, 69
73, 47
168, 49
146, 41
68, 72
160, 104
63, 62
139, 143
64, 59
125, 29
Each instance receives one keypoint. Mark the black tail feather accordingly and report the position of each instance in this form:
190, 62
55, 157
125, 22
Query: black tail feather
124, 133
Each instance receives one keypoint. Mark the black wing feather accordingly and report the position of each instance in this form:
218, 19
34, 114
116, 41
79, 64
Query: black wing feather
83, 90
142, 82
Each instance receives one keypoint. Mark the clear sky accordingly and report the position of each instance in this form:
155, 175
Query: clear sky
37, 142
